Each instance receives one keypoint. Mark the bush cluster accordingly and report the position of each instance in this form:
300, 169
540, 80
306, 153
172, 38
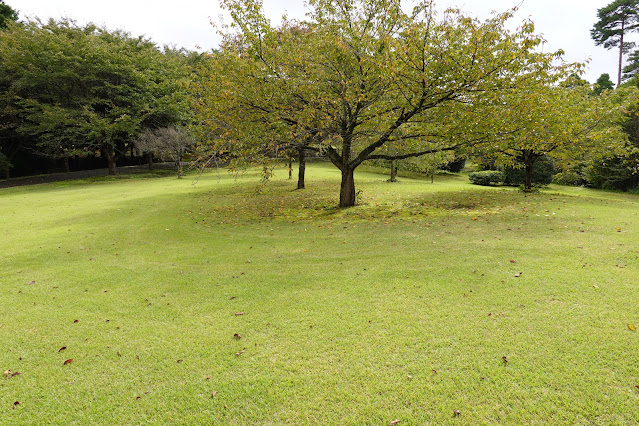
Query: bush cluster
486, 177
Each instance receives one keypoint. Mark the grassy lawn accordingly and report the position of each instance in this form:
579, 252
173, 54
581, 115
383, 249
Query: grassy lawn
423, 300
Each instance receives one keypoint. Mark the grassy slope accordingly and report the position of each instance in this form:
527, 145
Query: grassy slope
401, 308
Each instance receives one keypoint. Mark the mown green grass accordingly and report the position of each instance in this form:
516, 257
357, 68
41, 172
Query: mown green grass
401, 308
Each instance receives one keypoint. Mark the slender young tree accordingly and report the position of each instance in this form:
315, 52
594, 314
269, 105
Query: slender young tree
615, 21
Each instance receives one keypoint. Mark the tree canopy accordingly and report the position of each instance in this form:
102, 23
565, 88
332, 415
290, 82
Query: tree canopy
567, 124
362, 80
70, 88
603, 83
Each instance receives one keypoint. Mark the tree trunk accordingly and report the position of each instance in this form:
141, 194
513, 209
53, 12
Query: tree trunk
623, 24
347, 189
178, 163
393, 172
66, 164
302, 168
149, 159
290, 167
109, 155
529, 174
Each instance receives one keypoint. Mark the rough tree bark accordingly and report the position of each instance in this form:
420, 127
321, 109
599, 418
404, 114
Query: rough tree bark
108, 152
347, 189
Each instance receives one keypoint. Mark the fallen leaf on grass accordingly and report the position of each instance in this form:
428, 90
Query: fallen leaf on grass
237, 336
518, 274
394, 422
119, 354
68, 361
76, 321
208, 378
512, 261
180, 361
15, 404
239, 313
213, 394
456, 413
240, 352
632, 327
62, 348
504, 359
7, 373
15, 374
31, 283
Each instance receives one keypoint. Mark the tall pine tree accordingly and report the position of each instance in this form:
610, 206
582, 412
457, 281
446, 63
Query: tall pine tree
615, 21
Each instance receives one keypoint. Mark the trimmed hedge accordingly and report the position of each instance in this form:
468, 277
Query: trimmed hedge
486, 177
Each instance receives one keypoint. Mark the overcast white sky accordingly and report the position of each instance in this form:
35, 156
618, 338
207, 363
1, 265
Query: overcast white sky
565, 24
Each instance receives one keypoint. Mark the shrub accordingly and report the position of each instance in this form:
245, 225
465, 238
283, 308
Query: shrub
486, 177
570, 178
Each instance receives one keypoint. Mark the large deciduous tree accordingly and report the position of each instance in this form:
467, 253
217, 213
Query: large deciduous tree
364, 79
615, 21
567, 124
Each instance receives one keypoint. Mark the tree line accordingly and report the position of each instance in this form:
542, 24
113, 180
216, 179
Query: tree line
70, 91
